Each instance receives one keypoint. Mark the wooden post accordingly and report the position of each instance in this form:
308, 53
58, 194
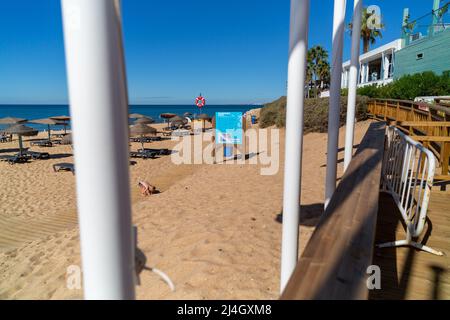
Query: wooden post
385, 110
426, 144
445, 154
411, 129
398, 112
213, 139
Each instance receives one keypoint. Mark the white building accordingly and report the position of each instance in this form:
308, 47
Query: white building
375, 66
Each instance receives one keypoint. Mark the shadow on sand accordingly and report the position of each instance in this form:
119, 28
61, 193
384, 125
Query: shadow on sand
309, 214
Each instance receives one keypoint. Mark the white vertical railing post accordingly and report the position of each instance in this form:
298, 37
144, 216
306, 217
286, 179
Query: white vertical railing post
99, 107
335, 99
298, 47
353, 83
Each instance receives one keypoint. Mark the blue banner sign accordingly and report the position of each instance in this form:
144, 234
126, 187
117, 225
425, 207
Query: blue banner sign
229, 127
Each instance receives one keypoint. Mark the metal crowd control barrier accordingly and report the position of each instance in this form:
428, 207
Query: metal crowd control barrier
408, 171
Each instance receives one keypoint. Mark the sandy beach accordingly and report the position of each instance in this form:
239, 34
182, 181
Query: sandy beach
213, 229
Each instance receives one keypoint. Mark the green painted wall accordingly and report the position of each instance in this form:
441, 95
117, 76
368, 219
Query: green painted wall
435, 51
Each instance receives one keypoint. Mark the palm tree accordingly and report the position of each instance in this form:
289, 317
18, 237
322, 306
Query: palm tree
369, 34
309, 71
323, 71
318, 67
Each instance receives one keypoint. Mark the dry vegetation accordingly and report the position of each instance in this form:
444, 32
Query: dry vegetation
315, 116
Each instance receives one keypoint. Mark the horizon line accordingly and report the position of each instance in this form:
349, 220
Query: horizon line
132, 104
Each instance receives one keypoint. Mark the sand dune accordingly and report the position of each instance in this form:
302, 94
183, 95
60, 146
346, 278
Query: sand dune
214, 229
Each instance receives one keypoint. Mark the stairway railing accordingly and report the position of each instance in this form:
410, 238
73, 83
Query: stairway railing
425, 123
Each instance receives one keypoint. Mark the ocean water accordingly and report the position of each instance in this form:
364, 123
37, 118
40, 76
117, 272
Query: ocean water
32, 112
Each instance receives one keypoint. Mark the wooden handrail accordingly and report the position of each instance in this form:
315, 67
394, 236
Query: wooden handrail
424, 122
431, 138
418, 104
335, 261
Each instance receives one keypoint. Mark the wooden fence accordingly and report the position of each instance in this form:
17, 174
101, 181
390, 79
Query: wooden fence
428, 124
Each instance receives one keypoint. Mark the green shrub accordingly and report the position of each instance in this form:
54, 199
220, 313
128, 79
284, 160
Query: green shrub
271, 113
409, 87
316, 110
315, 113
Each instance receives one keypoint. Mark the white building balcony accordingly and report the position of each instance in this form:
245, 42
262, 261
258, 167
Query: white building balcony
376, 66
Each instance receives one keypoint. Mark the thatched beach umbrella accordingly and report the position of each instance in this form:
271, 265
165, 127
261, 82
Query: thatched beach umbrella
177, 121
49, 122
136, 116
144, 120
167, 116
62, 120
67, 139
21, 130
141, 129
204, 117
12, 120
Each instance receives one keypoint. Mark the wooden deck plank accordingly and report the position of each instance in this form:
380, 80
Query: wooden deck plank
407, 273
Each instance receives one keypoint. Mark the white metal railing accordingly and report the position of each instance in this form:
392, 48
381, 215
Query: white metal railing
298, 47
99, 108
408, 171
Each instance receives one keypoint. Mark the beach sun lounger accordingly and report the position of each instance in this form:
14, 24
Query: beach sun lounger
42, 143
142, 154
37, 155
159, 152
15, 159
59, 135
167, 131
181, 133
171, 128
64, 166
145, 139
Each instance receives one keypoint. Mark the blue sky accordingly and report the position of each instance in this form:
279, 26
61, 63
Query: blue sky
232, 51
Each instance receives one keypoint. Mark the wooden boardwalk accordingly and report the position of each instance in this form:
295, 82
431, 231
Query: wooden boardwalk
407, 273
428, 124
335, 260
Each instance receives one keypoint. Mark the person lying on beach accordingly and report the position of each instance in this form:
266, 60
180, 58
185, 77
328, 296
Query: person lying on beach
146, 188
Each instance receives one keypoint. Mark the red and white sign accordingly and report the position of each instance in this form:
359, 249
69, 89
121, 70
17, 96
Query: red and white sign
200, 101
